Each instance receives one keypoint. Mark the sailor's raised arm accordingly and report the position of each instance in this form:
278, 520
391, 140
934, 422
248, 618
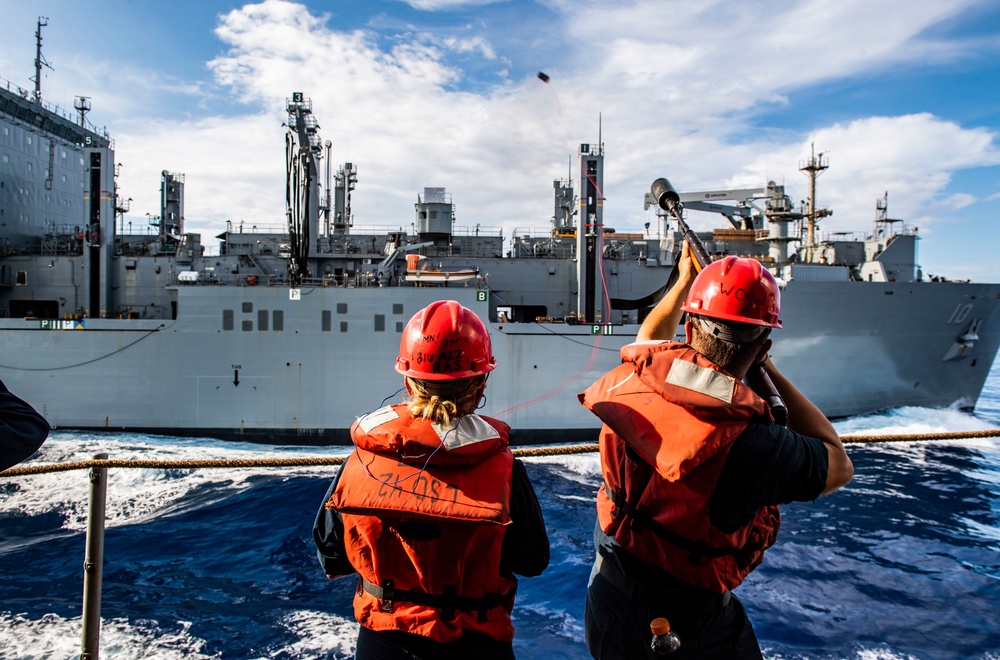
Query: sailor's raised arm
805, 418
662, 321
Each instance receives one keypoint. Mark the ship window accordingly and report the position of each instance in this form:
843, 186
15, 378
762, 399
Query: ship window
341, 308
397, 308
343, 326
22, 277
279, 320
380, 323
30, 165
399, 327
247, 307
227, 319
63, 154
326, 320
434, 215
6, 158
28, 137
262, 320
247, 326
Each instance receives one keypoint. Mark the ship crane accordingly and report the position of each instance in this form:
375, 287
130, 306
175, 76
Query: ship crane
745, 215
745, 208
706, 201
303, 149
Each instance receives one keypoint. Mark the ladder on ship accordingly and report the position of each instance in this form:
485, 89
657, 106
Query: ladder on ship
253, 262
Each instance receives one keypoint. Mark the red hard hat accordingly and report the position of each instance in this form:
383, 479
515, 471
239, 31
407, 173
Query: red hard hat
736, 289
445, 341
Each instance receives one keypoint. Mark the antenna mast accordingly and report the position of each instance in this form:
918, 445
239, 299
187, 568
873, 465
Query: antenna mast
39, 60
815, 165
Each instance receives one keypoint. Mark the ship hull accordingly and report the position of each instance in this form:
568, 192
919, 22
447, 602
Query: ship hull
264, 364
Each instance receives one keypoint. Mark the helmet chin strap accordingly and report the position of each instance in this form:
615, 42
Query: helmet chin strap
742, 334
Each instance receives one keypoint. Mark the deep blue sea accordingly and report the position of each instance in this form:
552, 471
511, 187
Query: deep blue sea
217, 563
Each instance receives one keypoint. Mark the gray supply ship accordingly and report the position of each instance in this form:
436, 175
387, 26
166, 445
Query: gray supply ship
290, 332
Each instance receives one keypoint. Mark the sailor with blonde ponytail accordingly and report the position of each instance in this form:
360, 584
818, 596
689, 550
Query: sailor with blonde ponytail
423, 508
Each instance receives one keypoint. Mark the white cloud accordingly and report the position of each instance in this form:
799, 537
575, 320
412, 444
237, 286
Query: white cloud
438, 5
473, 45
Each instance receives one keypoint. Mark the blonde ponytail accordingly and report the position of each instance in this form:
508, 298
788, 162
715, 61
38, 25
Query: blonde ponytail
444, 406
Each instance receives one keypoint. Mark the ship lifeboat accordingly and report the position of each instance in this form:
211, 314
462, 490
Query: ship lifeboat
414, 273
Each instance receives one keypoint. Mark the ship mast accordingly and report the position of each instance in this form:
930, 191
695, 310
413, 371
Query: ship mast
39, 60
589, 231
815, 165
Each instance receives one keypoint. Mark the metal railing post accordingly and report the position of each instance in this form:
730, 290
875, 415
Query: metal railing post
93, 564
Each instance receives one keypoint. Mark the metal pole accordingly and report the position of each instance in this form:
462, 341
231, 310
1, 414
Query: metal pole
93, 564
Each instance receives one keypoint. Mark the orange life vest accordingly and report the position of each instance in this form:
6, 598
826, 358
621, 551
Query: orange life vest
670, 417
425, 510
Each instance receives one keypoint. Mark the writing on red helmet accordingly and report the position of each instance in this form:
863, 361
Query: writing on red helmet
736, 289
445, 341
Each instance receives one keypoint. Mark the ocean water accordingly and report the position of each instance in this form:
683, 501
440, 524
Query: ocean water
218, 563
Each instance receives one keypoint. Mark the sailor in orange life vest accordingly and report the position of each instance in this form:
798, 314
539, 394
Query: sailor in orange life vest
432, 509
694, 467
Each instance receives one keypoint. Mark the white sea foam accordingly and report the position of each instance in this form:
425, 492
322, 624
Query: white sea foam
135, 495
581, 468
909, 420
320, 635
55, 637
862, 654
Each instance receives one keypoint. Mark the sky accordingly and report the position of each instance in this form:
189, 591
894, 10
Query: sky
901, 96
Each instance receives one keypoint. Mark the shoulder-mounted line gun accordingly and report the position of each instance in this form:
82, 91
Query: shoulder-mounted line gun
756, 378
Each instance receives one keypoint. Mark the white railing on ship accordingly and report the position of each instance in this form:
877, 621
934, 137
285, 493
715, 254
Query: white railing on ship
56, 110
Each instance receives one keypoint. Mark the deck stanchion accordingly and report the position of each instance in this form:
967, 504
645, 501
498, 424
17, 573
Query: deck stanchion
93, 564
